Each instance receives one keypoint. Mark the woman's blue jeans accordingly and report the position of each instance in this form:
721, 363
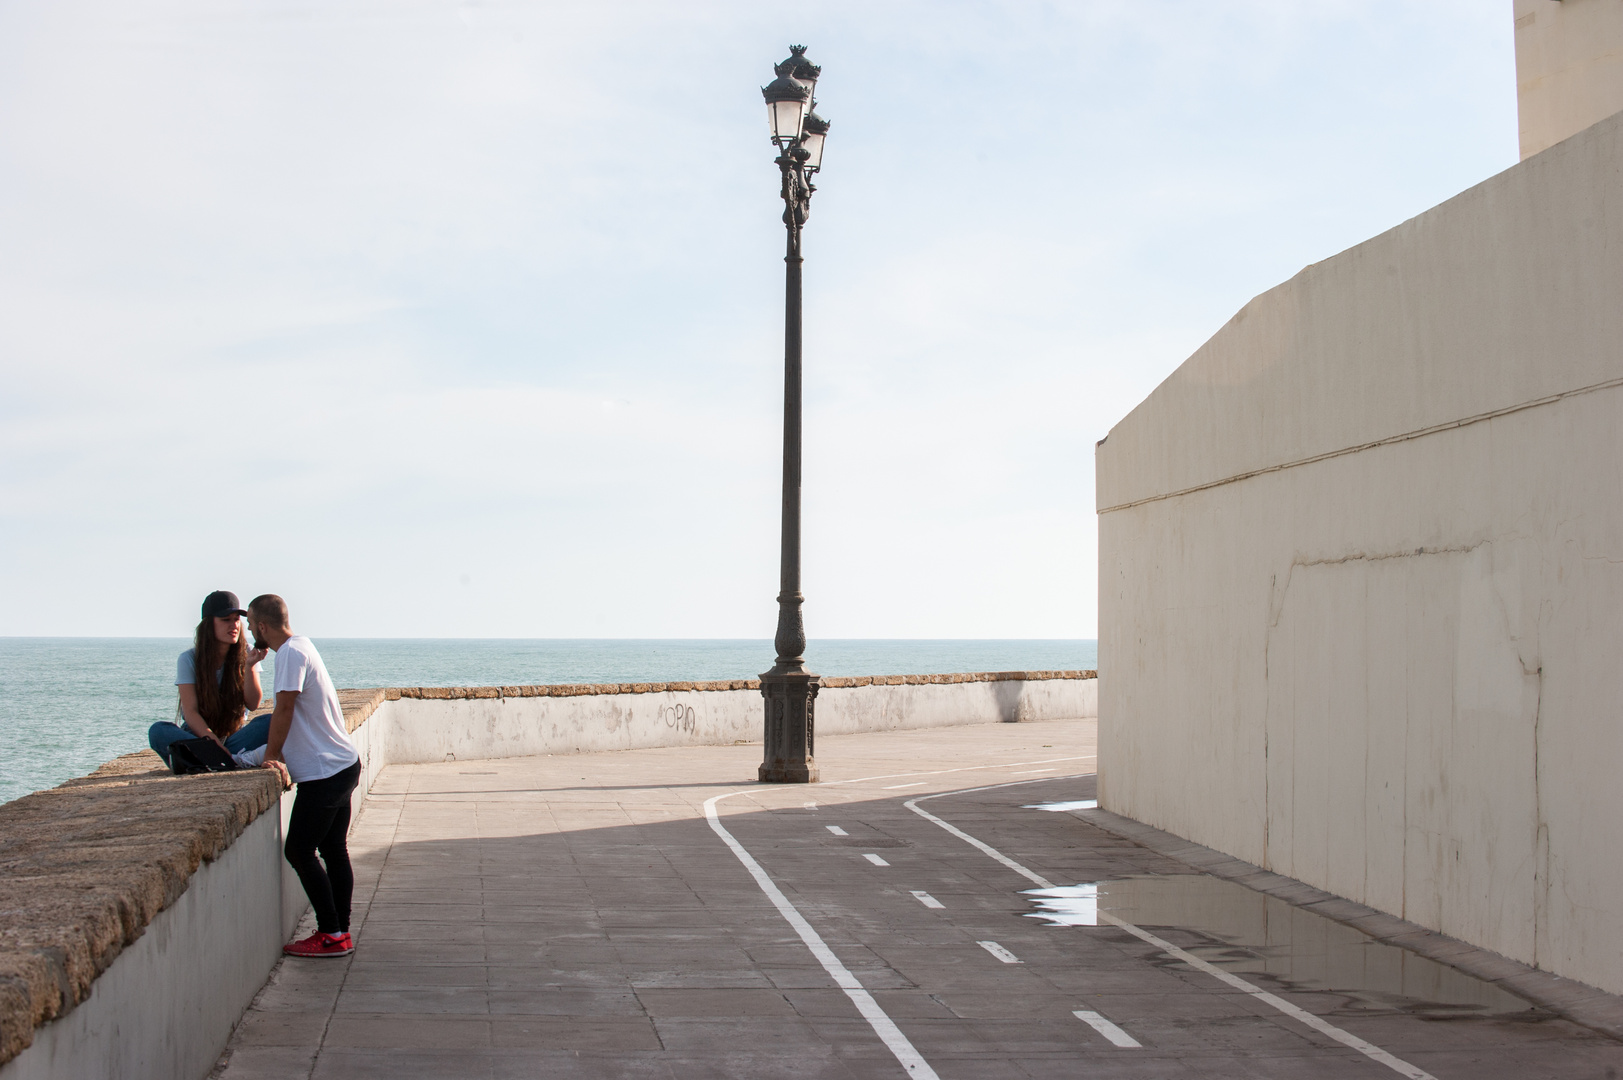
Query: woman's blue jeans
255, 733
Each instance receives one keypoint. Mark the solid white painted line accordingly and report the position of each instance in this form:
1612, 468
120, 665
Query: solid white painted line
836, 830
927, 900
876, 860
1106, 1028
897, 787
1323, 1027
1000, 952
1028, 772
882, 1024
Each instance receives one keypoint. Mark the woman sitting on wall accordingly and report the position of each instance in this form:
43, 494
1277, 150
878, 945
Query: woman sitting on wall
216, 708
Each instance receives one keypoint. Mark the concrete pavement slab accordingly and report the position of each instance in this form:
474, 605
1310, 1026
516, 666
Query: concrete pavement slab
581, 917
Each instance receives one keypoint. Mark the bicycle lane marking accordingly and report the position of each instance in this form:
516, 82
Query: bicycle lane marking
882, 1024
1302, 1016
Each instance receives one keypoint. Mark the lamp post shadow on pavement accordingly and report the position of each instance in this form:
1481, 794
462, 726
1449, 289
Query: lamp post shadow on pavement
790, 688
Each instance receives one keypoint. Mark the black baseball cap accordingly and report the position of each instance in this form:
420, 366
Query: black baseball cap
219, 604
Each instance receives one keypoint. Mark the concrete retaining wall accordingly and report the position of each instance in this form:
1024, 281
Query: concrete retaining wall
1361, 573
504, 722
845, 710
463, 730
166, 1006
140, 912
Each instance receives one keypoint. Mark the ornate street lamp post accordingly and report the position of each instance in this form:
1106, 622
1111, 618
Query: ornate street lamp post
789, 688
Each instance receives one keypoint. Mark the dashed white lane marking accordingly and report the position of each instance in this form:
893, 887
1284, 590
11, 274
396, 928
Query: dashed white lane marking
1000, 952
898, 787
882, 1024
836, 830
1079, 804
1106, 1028
876, 860
1323, 1027
927, 900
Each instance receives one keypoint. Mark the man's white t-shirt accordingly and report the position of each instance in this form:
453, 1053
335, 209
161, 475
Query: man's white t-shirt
318, 743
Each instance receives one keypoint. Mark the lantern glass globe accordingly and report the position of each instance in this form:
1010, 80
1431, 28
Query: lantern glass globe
786, 117
813, 131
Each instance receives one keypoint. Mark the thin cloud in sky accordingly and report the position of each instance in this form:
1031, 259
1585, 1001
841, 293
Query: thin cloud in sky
465, 319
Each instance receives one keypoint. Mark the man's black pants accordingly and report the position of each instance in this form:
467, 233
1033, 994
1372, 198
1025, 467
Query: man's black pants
320, 822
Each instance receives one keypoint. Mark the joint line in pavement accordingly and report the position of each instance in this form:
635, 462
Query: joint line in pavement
1302, 1016
883, 1026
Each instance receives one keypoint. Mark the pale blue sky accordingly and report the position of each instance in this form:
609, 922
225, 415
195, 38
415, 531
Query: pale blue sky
465, 319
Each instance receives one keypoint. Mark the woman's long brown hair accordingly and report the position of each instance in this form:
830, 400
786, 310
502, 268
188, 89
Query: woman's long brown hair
220, 703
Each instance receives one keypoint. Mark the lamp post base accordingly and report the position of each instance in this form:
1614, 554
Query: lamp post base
790, 707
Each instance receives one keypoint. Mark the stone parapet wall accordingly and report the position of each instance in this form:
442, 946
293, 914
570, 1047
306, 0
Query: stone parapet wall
85, 867
359, 705
457, 693
850, 706
470, 723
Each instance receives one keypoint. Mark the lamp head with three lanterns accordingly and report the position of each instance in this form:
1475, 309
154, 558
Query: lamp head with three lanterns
789, 104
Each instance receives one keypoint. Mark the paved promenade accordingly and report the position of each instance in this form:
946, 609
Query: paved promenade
582, 917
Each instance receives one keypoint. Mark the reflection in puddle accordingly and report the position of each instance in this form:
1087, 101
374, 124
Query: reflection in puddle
1080, 804
1070, 905
1251, 932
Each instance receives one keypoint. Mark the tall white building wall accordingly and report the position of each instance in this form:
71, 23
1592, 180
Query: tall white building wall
1361, 573
1569, 67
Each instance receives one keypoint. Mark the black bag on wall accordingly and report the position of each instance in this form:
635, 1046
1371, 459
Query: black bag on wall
198, 755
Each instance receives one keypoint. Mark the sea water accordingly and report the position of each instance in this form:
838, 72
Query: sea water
69, 704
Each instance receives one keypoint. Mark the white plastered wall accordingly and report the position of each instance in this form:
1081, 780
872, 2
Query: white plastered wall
1569, 67
427, 729
1361, 573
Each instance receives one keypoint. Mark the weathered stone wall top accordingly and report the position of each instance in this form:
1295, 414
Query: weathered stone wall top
85, 867
449, 693
359, 705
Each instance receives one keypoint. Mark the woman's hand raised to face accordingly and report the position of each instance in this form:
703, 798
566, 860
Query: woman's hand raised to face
256, 655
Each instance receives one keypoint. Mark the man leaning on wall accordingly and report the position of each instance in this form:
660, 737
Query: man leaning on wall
308, 735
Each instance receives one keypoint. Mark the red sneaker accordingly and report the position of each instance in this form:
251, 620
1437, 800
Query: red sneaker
319, 944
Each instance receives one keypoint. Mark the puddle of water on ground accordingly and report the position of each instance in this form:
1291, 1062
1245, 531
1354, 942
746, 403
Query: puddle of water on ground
1257, 934
1068, 905
1080, 804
